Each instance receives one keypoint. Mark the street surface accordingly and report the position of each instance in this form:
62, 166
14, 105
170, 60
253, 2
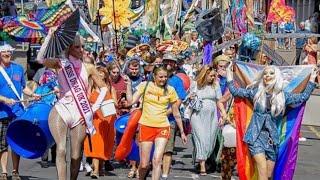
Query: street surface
307, 167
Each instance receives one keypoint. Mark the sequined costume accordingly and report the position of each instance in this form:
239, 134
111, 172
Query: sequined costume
262, 135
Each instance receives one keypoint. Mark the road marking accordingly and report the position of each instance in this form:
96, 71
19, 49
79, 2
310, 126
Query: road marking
317, 133
184, 177
195, 176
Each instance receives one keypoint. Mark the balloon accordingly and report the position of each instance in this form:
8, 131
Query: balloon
185, 79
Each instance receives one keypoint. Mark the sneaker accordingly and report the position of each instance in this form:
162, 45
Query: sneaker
87, 167
81, 167
302, 139
164, 178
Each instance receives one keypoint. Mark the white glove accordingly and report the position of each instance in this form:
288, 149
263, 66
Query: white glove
229, 73
102, 95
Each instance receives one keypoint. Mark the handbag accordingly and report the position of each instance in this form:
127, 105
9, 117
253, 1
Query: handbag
196, 103
229, 136
108, 108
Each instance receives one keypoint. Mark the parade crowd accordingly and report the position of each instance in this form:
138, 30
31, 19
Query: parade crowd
170, 94
169, 108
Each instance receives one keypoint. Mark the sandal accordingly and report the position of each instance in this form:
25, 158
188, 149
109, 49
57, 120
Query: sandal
4, 176
132, 173
203, 173
94, 175
15, 175
137, 174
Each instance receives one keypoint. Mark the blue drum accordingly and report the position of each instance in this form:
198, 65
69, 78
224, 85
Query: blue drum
121, 123
29, 135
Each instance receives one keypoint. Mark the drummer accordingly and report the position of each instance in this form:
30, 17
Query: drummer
10, 105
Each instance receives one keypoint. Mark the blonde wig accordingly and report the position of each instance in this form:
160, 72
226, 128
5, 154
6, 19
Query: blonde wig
276, 87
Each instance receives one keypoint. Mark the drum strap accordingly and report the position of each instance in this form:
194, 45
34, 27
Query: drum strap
10, 83
79, 93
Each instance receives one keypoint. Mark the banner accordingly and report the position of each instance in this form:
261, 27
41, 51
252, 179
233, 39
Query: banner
279, 12
93, 7
152, 12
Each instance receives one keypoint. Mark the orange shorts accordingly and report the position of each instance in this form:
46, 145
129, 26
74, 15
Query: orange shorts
147, 133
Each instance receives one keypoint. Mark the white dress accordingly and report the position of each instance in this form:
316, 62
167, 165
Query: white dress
204, 123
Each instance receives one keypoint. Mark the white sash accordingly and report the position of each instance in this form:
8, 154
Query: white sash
10, 83
79, 93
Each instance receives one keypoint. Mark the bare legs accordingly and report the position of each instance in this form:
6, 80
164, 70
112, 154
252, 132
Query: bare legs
167, 160
265, 167
202, 167
145, 150
4, 161
15, 161
59, 131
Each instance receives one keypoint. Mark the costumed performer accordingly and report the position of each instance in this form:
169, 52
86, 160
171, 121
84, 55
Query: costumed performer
73, 110
269, 105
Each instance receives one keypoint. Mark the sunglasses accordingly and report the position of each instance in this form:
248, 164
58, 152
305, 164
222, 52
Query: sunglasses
6, 53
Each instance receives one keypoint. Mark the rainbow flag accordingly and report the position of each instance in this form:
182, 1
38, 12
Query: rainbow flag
296, 79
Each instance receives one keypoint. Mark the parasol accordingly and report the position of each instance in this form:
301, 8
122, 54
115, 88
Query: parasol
22, 29
63, 36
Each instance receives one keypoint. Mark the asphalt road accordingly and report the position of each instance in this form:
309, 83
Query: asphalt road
307, 167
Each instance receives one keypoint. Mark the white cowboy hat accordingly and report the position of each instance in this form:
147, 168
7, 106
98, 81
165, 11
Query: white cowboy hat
6, 47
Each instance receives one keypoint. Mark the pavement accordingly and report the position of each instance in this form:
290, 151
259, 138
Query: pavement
307, 166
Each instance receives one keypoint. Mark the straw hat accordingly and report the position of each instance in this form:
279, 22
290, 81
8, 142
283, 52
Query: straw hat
221, 58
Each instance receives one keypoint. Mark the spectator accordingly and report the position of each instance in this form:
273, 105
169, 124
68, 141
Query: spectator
308, 24
10, 105
9, 8
46, 81
122, 86
220, 64
134, 73
170, 63
311, 50
300, 42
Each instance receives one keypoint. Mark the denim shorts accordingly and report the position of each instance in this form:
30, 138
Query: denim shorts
264, 145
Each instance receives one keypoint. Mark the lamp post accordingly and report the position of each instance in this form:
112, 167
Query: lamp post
22, 9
